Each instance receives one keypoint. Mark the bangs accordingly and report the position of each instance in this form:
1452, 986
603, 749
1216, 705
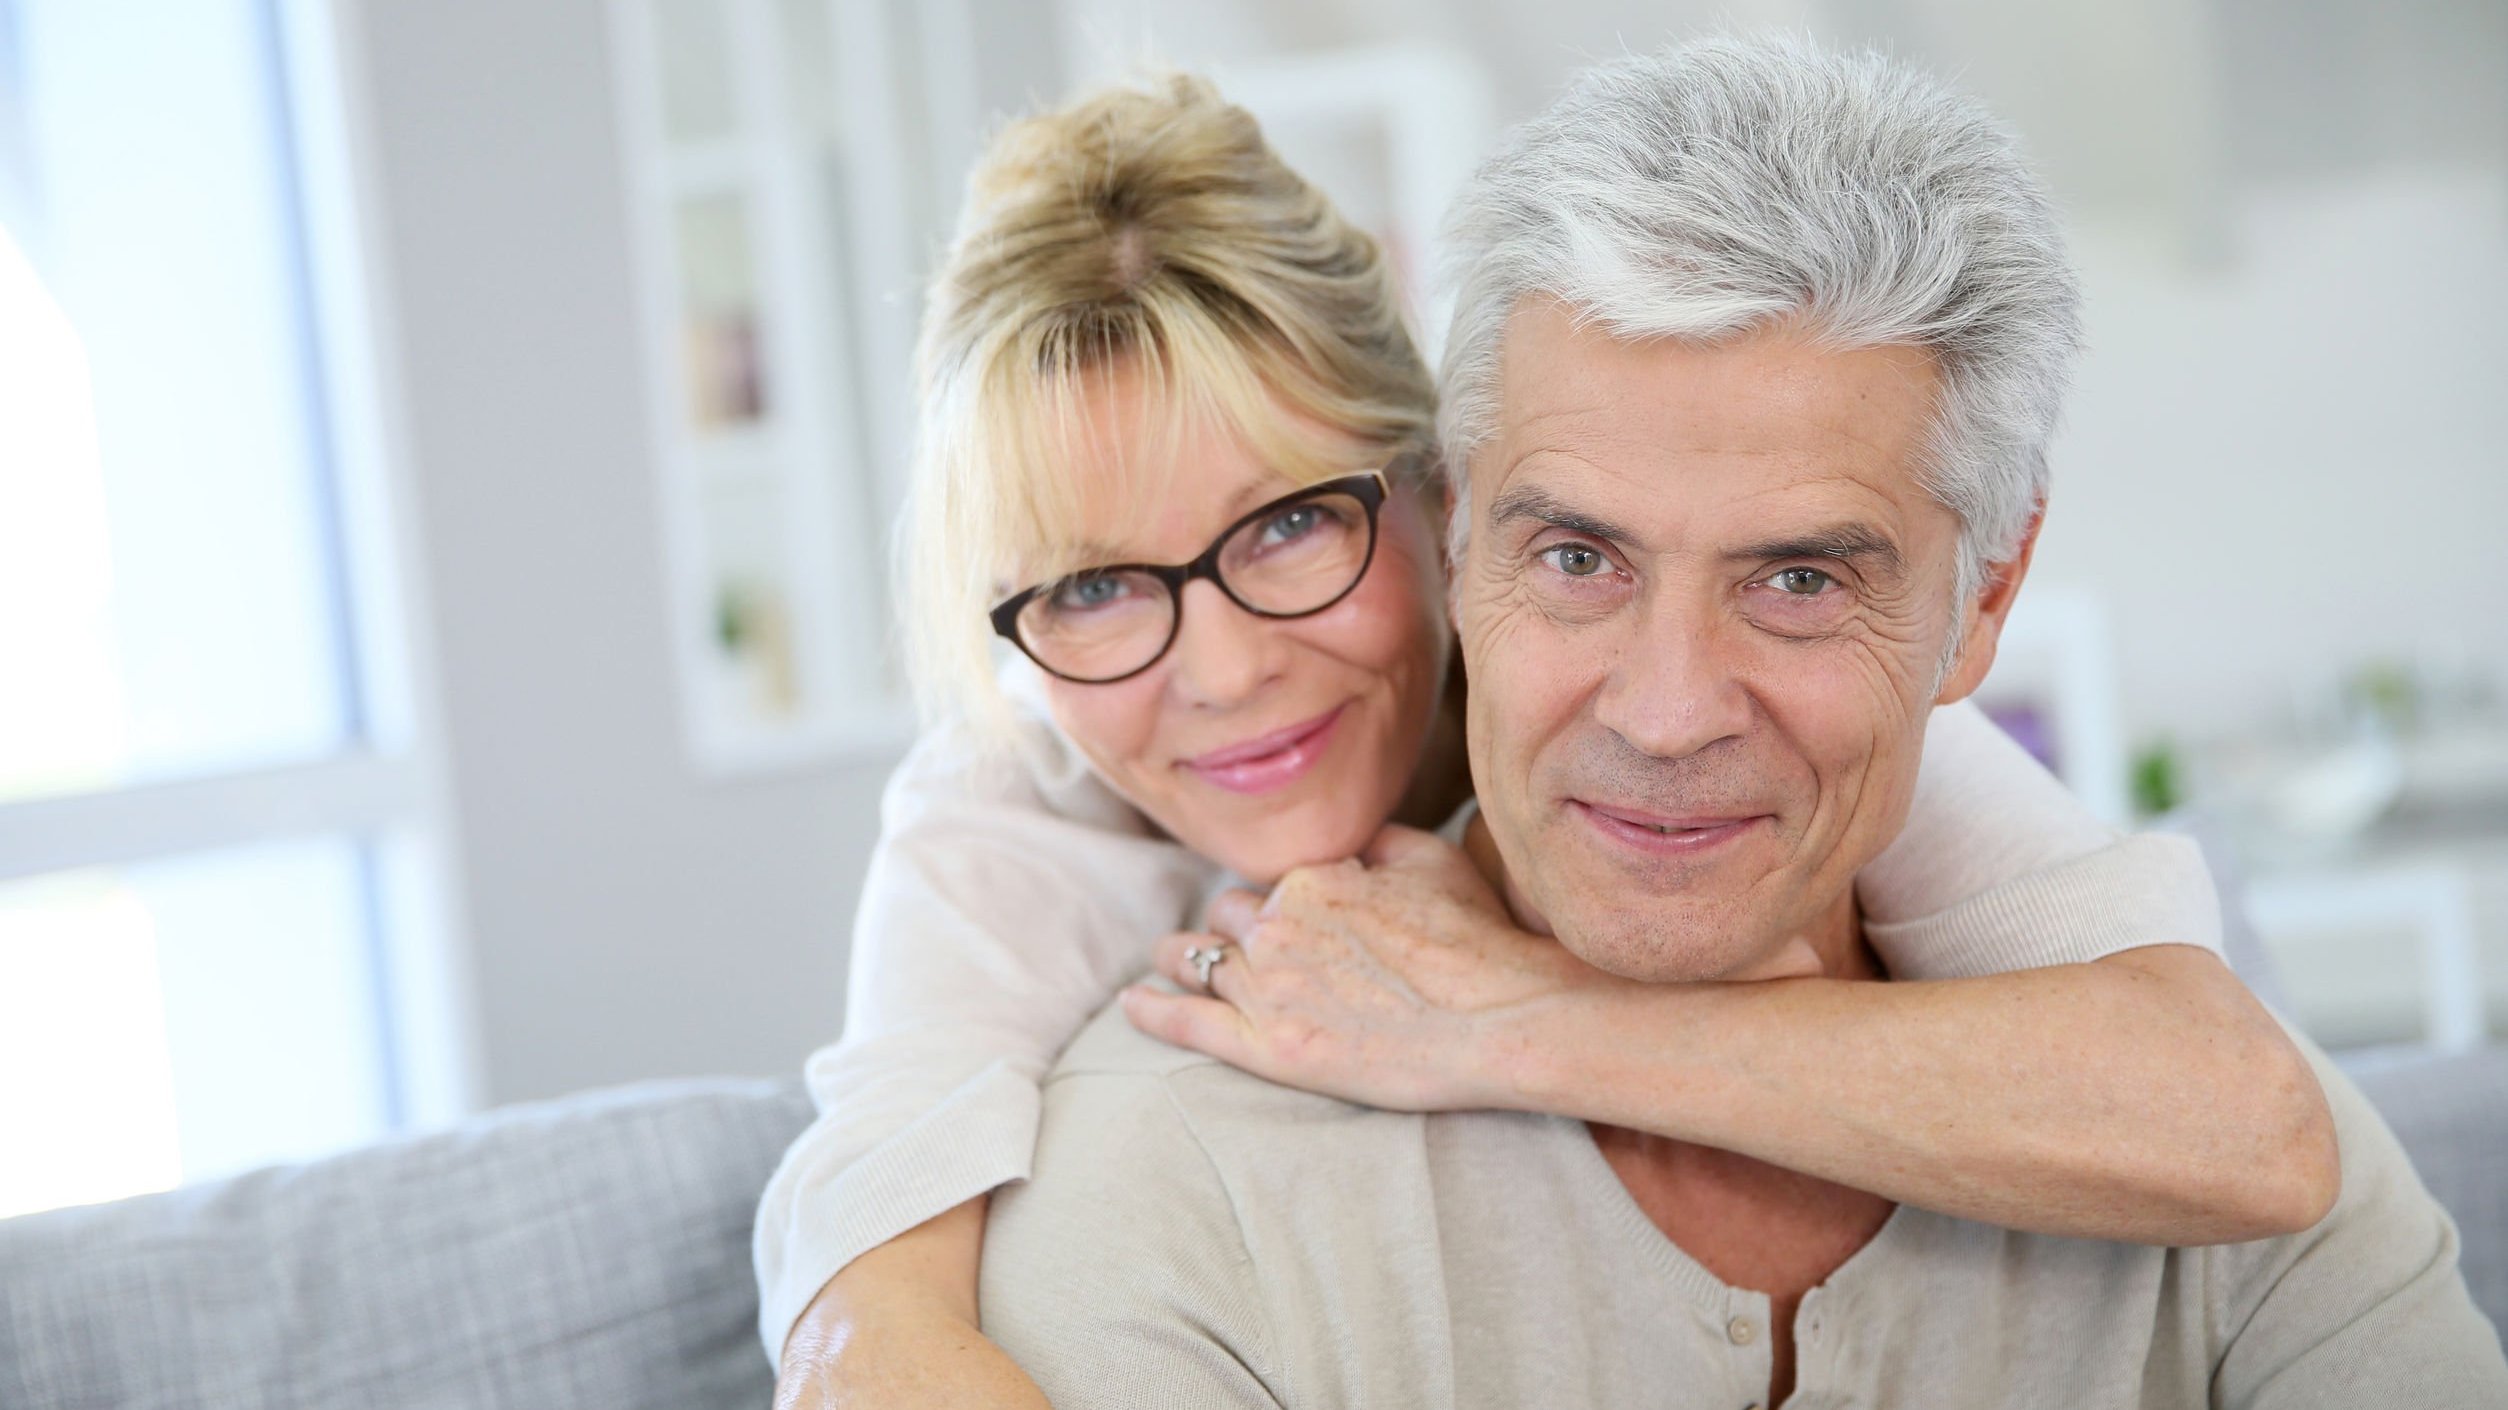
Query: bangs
1057, 474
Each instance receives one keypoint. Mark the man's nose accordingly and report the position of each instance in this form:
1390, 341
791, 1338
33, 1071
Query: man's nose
1223, 654
1672, 692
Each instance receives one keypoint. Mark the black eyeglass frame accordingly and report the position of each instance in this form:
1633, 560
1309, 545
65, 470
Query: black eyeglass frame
1368, 487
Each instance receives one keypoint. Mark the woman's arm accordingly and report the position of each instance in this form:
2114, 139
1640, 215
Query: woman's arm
898, 1327
977, 954
2129, 1088
1998, 867
2143, 1097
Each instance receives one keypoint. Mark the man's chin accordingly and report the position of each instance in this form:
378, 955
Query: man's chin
1654, 946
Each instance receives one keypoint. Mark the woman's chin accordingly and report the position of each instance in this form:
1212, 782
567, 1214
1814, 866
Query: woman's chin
1263, 860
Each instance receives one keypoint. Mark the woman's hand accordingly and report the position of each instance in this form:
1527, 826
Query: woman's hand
1381, 981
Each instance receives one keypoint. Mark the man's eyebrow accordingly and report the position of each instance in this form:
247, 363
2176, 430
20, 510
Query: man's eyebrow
1534, 502
1852, 542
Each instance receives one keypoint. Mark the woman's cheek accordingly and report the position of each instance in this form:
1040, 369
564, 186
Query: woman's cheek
1114, 725
1401, 615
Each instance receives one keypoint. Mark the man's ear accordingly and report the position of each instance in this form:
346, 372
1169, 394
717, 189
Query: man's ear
1445, 548
1982, 629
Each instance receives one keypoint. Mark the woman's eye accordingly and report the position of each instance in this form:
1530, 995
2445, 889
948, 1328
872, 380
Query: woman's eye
1093, 590
1577, 560
1800, 582
1295, 522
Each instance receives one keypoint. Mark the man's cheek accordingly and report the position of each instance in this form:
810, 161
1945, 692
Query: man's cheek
1830, 705
1526, 671
1905, 638
1847, 687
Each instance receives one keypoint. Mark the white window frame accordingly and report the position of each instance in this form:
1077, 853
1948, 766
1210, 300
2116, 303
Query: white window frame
388, 792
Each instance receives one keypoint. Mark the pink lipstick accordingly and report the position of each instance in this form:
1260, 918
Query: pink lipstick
1268, 761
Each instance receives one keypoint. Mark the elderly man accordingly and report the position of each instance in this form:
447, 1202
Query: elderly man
1753, 368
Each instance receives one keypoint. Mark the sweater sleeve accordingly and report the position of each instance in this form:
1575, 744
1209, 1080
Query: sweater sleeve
2000, 868
2367, 1308
1009, 896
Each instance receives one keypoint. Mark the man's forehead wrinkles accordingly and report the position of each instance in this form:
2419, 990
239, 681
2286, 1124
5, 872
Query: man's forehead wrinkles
1576, 402
1577, 433
1829, 482
1532, 456
1817, 439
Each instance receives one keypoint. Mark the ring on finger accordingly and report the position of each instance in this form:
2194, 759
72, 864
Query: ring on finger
1204, 959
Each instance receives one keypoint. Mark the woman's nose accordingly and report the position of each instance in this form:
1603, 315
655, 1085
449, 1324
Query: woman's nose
1223, 654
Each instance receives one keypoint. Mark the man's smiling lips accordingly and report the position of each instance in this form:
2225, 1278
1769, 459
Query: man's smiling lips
1268, 761
1660, 834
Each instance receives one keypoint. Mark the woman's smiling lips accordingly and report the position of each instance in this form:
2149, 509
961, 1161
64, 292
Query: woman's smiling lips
1269, 761
1660, 834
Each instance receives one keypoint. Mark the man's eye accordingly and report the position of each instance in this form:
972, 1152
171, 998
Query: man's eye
1577, 560
1800, 582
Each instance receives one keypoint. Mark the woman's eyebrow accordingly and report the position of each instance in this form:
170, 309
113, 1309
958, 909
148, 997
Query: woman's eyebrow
1534, 502
1252, 495
1861, 544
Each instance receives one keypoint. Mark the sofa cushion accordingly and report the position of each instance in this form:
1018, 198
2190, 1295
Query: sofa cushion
592, 1252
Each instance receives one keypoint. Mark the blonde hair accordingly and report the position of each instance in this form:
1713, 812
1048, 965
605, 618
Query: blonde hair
1148, 228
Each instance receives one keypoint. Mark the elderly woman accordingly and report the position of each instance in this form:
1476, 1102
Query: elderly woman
1176, 448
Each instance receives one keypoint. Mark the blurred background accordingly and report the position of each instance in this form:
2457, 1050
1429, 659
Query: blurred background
446, 450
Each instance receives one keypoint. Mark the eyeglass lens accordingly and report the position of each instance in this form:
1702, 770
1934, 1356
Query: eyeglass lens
1102, 624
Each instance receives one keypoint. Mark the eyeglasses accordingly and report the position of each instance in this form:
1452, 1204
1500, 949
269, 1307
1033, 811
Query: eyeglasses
1293, 557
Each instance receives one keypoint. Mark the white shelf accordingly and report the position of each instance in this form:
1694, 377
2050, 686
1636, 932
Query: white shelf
778, 613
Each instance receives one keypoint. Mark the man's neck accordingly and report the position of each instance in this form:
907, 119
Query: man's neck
1751, 1224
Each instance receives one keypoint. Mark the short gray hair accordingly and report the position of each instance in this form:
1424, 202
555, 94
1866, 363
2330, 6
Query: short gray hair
1723, 185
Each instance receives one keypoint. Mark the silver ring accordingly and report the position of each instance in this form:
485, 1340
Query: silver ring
1204, 959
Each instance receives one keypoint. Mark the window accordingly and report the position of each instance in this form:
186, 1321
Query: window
221, 884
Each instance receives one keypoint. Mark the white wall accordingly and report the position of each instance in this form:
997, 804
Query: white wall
629, 918
2282, 467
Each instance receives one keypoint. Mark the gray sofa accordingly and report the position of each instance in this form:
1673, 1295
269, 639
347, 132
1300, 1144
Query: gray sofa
592, 1252
595, 1252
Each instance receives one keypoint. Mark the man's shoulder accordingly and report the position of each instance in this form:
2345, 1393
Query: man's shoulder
1109, 1046
1193, 1234
1127, 1124
2372, 1292
1112, 1064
